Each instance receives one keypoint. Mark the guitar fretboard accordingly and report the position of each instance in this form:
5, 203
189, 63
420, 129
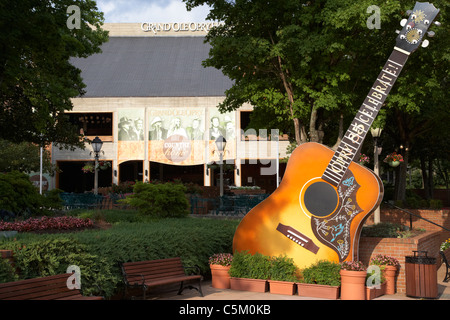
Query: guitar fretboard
354, 137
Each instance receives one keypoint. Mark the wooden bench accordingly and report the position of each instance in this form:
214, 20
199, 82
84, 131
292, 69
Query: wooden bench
151, 273
446, 257
45, 288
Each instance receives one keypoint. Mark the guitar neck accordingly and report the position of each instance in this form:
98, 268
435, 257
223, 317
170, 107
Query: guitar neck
354, 137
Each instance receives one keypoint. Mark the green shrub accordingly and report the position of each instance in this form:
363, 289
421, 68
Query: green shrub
6, 271
382, 230
282, 268
97, 252
251, 266
323, 272
160, 200
435, 204
40, 258
18, 195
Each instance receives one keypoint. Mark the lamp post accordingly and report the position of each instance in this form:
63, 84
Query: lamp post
97, 144
221, 143
376, 133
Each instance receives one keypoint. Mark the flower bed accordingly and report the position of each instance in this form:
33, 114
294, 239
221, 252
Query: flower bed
46, 223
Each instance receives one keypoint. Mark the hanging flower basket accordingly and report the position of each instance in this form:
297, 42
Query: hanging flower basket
103, 165
394, 159
88, 168
363, 159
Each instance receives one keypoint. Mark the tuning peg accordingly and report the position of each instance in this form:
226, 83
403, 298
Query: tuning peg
425, 43
397, 31
437, 23
430, 34
403, 22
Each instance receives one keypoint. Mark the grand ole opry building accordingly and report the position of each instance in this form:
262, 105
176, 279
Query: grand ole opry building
154, 106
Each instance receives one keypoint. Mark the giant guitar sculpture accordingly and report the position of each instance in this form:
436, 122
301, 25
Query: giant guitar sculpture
322, 202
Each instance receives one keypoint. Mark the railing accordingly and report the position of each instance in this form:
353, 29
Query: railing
227, 205
81, 200
416, 215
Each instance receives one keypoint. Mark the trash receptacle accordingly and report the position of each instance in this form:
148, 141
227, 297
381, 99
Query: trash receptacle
421, 275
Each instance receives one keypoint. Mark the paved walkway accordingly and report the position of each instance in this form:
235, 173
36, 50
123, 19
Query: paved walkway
210, 293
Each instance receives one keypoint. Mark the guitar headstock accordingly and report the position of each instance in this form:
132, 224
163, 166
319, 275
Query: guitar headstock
415, 27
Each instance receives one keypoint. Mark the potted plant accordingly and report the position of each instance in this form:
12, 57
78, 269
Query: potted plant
393, 159
249, 272
388, 266
220, 264
320, 280
282, 275
353, 280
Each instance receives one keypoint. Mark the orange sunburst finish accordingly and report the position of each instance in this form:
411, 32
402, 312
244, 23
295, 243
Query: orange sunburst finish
258, 232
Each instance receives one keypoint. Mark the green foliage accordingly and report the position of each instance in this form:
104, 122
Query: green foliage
323, 272
37, 79
7, 272
162, 200
18, 195
282, 268
40, 258
250, 266
23, 157
97, 252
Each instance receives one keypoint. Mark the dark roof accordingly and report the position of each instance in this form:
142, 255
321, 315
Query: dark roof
151, 67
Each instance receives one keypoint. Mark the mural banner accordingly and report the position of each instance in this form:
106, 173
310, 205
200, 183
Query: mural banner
131, 137
180, 136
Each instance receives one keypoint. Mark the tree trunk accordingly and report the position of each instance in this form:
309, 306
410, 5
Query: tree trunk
340, 132
425, 182
400, 180
313, 133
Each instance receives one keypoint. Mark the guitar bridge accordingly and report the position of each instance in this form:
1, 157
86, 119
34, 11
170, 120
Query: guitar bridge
298, 238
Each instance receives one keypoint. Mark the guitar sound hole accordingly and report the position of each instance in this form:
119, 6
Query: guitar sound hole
320, 199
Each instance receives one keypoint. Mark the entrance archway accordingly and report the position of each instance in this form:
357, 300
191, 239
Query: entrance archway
131, 171
167, 172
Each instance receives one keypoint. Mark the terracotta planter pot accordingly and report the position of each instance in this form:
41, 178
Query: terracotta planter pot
318, 291
282, 287
254, 285
220, 277
390, 273
373, 292
353, 285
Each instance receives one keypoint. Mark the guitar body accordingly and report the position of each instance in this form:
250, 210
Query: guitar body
307, 218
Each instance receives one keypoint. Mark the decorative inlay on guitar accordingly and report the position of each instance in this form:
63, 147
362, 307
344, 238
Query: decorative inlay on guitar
319, 208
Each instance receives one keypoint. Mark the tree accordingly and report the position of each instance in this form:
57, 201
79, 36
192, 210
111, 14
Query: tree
23, 157
303, 62
418, 105
313, 62
37, 79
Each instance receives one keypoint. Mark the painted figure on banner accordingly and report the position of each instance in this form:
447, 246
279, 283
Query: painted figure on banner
216, 130
195, 132
157, 132
176, 128
139, 129
126, 130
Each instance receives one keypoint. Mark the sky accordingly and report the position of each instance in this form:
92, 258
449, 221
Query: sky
150, 11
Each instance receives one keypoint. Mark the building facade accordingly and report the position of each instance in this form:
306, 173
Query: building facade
154, 106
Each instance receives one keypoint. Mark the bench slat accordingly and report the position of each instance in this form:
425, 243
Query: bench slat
44, 288
157, 272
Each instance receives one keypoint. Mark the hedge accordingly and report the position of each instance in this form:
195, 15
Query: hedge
98, 252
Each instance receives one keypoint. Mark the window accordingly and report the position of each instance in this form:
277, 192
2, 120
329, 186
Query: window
93, 124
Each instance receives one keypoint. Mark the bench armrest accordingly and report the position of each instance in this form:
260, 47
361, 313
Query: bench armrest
196, 268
